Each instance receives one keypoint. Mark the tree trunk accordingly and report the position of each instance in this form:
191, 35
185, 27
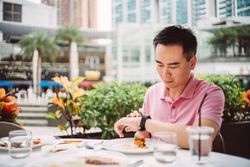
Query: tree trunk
74, 61
36, 72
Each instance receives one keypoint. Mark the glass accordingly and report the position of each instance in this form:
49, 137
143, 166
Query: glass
20, 143
200, 149
165, 146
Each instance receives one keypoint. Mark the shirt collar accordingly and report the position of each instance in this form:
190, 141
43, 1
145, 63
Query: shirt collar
190, 88
187, 93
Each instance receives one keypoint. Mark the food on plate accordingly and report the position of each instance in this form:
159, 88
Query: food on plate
70, 142
3, 144
36, 141
97, 160
139, 140
54, 149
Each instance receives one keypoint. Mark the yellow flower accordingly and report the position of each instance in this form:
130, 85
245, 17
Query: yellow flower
78, 93
60, 127
63, 81
58, 102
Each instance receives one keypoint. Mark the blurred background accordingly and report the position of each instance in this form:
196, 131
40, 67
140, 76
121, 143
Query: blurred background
111, 40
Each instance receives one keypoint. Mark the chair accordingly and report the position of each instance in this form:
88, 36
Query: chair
6, 127
219, 144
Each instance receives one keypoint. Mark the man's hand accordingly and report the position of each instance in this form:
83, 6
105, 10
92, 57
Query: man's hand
130, 124
136, 113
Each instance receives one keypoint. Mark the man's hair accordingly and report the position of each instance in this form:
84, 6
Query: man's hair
179, 35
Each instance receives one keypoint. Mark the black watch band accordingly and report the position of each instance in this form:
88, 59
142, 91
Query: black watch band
143, 122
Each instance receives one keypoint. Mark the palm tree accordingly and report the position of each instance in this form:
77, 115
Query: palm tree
38, 46
73, 37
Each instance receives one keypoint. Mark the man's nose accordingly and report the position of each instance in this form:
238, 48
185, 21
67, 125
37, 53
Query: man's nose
166, 71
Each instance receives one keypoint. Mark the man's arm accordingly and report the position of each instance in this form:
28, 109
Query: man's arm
153, 126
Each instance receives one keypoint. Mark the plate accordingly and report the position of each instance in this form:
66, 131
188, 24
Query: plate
77, 142
126, 146
54, 149
37, 141
80, 160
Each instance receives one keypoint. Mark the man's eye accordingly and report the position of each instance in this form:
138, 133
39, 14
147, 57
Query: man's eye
173, 67
160, 65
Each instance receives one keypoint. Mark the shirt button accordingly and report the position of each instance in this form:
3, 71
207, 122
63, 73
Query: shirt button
173, 107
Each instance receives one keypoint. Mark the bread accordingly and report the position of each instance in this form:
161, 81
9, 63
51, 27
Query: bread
96, 160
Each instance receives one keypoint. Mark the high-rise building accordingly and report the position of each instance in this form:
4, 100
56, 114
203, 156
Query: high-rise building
133, 11
203, 10
225, 8
243, 8
80, 13
184, 12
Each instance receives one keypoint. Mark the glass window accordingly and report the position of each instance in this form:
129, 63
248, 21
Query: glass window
132, 18
147, 54
12, 12
131, 5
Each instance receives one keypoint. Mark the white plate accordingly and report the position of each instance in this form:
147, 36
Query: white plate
127, 146
44, 140
78, 160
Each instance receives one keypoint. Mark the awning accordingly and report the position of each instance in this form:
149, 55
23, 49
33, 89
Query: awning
50, 84
6, 84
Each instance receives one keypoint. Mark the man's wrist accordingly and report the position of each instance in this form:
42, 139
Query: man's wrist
144, 118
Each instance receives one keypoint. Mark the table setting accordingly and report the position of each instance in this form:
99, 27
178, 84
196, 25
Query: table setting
160, 150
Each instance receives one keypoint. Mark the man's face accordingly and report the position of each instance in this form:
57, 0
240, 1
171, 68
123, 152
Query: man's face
172, 66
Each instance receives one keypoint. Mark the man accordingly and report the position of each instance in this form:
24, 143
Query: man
174, 103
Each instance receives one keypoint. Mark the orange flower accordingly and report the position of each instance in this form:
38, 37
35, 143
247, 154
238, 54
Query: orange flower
246, 96
8, 106
2, 93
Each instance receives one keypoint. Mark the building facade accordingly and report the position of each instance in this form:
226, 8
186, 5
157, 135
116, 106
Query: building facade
16, 11
16, 22
80, 13
136, 23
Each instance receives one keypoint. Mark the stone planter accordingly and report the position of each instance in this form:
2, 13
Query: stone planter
237, 138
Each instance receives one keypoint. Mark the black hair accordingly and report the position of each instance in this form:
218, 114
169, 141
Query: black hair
178, 35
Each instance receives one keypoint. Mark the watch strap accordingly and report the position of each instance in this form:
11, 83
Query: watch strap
143, 122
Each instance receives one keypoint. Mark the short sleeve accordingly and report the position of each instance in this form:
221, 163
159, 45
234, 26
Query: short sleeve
213, 105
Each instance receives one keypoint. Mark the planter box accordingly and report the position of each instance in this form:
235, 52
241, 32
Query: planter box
237, 138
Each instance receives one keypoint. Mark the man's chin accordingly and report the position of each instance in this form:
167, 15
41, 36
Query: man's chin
168, 84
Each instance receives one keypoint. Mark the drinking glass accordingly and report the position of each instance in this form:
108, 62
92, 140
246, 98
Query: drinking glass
200, 143
20, 143
165, 146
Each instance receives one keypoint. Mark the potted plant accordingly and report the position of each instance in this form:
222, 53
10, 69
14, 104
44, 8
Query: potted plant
107, 103
236, 115
8, 107
68, 105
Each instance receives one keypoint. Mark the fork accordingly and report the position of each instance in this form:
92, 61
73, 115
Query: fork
136, 163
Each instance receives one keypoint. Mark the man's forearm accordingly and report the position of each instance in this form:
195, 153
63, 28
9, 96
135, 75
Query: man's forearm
155, 126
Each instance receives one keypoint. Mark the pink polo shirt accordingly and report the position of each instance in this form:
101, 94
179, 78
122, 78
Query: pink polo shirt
184, 110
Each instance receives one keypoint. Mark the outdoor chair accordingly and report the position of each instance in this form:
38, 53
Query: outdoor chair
219, 144
6, 127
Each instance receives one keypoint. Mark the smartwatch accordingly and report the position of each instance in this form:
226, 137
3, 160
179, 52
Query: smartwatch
143, 122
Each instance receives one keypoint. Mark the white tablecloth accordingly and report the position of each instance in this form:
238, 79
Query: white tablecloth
183, 158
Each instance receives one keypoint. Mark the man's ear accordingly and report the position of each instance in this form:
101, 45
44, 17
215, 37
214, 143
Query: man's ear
193, 62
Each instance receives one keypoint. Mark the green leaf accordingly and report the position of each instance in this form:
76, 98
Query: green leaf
77, 80
51, 115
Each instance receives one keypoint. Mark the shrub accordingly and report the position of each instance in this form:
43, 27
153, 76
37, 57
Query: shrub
107, 103
234, 109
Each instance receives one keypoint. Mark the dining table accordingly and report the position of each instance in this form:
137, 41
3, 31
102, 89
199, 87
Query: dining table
41, 157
